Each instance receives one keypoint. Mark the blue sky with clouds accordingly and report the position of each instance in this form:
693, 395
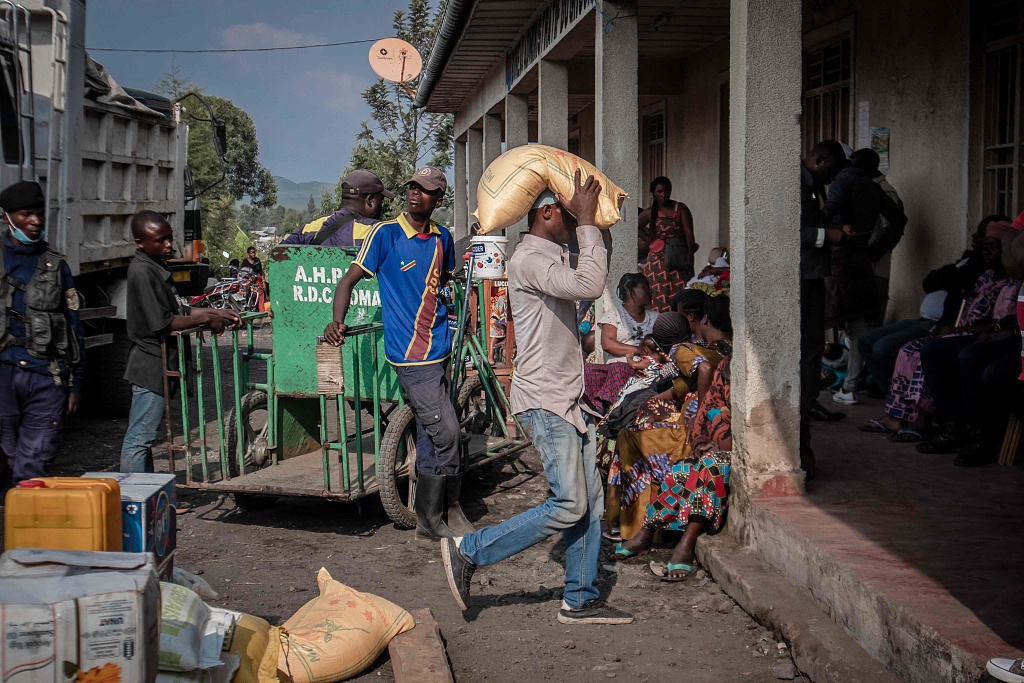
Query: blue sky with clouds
306, 103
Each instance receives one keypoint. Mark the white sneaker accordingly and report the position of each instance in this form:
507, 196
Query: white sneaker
1009, 670
847, 398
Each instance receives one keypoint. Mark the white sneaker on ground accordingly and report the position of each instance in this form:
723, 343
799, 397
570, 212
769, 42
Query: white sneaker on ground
847, 398
1009, 670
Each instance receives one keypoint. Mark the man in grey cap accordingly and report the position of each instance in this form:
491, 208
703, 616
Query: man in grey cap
412, 257
362, 196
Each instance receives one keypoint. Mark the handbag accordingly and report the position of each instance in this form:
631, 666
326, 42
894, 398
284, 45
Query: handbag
676, 253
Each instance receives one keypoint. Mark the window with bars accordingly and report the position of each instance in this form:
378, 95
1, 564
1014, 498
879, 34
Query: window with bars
1004, 133
653, 151
827, 92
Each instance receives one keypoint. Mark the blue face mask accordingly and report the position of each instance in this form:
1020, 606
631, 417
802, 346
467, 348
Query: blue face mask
21, 236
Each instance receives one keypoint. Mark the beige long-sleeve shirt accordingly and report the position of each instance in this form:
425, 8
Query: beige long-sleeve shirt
543, 290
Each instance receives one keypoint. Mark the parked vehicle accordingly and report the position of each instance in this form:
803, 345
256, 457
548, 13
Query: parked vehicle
101, 154
239, 293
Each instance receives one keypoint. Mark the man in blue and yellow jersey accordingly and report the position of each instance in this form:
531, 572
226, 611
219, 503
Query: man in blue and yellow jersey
362, 195
411, 256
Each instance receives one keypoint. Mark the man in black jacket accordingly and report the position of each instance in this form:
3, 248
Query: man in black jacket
817, 169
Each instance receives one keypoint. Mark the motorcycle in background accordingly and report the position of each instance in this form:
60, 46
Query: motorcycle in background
240, 293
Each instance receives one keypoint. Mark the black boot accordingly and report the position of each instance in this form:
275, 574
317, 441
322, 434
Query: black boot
457, 521
430, 503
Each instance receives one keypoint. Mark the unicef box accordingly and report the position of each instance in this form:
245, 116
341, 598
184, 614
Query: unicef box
147, 515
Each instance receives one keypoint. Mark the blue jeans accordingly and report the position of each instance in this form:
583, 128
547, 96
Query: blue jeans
574, 507
31, 416
143, 422
881, 346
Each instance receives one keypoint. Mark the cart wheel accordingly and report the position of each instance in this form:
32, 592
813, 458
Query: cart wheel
397, 467
471, 407
254, 428
254, 502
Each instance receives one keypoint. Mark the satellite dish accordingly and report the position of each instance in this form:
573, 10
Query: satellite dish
395, 60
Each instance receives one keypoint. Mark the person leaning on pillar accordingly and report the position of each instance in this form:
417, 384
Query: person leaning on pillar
817, 169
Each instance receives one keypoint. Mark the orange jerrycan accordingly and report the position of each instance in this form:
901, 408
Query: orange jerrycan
64, 513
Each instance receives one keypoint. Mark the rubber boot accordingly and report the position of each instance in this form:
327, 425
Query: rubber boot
457, 521
429, 507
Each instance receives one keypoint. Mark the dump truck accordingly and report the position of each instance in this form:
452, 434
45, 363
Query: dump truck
100, 158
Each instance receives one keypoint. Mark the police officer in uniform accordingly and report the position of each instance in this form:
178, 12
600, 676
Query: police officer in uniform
41, 338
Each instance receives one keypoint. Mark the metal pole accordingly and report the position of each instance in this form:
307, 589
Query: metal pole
201, 406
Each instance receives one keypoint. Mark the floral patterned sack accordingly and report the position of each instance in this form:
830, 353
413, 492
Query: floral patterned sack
336, 635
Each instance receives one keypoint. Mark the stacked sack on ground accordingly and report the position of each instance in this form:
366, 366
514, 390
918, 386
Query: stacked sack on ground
334, 636
104, 617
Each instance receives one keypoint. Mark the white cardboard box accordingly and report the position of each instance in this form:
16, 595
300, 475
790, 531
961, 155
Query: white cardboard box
62, 612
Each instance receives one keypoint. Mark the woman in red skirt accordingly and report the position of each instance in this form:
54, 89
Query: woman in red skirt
668, 225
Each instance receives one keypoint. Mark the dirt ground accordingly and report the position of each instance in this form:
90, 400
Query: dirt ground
265, 563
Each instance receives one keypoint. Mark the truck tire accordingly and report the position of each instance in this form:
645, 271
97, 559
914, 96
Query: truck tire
397, 487
107, 393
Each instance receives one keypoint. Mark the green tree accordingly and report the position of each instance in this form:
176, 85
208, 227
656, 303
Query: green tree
400, 139
222, 183
311, 209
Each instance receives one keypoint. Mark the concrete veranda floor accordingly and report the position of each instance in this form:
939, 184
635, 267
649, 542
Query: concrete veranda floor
945, 543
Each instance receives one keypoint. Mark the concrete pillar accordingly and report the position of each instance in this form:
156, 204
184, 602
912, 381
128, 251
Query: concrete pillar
764, 212
553, 104
492, 137
460, 226
517, 133
475, 168
616, 123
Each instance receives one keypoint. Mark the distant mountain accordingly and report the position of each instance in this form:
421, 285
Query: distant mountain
295, 195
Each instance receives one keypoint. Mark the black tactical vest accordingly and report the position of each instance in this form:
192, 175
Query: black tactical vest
47, 332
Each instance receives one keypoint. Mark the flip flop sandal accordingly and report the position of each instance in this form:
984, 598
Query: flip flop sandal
664, 571
906, 436
622, 554
875, 427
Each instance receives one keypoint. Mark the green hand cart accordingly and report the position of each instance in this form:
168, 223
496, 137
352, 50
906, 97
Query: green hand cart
286, 436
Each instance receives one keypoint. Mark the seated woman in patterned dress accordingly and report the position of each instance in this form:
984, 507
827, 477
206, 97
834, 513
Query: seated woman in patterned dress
656, 453
695, 494
909, 405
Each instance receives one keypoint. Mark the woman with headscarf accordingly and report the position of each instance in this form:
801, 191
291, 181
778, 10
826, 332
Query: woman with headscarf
658, 437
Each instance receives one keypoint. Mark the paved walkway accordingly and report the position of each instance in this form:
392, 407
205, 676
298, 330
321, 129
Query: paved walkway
944, 543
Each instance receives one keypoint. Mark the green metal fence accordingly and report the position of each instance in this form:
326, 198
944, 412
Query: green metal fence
300, 421
190, 374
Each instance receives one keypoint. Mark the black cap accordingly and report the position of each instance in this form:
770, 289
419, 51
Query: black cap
363, 183
22, 195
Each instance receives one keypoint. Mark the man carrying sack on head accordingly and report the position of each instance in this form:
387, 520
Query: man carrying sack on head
411, 257
546, 389
41, 338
